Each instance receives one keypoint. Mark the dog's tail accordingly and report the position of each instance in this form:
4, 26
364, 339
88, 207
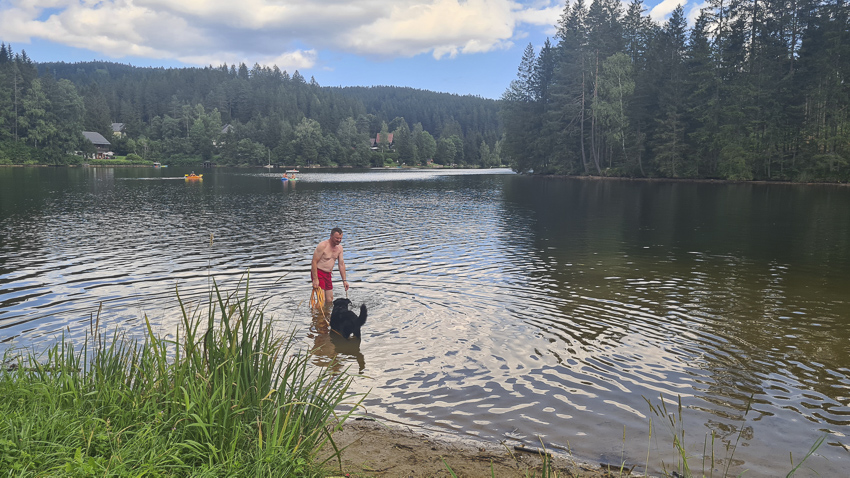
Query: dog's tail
362, 318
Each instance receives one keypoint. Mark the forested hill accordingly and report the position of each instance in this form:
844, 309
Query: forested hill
441, 114
141, 93
182, 114
753, 90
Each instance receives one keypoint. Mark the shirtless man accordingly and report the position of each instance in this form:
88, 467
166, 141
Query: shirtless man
326, 254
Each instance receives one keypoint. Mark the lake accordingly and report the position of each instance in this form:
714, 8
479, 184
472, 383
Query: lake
501, 306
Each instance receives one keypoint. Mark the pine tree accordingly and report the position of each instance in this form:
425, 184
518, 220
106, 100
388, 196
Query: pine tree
704, 138
639, 31
567, 117
519, 109
668, 144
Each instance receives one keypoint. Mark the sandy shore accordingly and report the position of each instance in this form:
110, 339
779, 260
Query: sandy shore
373, 448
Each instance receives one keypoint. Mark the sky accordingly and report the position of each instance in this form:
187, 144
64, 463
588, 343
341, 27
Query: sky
465, 47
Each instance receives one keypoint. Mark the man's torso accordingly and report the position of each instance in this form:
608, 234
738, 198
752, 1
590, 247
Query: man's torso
329, 255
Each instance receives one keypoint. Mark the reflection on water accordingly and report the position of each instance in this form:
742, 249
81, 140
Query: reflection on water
501, 306
336, 352
330, 349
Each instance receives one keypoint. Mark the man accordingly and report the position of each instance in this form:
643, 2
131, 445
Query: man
324, 257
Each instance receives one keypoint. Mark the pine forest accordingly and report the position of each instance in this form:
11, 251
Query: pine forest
754, 90
233, 116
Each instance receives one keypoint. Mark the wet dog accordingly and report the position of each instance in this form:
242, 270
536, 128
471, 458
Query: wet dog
344, 321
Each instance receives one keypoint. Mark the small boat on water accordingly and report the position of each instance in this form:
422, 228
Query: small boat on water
194, 177
289, 175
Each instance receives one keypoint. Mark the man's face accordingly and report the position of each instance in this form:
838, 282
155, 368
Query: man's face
336, 239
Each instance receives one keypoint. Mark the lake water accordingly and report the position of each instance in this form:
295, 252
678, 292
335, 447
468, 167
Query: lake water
500, 306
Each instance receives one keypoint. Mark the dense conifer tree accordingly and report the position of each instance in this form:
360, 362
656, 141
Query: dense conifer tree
754, 90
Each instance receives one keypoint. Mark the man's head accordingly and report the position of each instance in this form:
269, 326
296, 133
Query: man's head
336, 236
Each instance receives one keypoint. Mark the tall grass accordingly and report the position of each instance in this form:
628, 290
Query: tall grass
226, 397
709, 459
683, 468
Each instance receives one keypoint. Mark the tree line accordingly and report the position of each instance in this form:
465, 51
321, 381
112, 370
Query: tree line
233, 115
753, 90
40, 118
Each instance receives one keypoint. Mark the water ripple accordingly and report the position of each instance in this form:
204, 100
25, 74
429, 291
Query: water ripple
491, 312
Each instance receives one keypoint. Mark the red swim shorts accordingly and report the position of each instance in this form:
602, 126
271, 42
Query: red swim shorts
325, 280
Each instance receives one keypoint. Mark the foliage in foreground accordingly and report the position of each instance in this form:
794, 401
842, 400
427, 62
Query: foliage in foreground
231, 399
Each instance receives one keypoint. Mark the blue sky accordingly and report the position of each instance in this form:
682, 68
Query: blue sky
467, 47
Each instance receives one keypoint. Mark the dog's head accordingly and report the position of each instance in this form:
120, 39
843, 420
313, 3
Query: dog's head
342, 304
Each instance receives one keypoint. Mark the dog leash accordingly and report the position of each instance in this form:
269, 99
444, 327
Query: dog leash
317, 297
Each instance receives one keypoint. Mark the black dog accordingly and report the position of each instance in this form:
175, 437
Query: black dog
346, 322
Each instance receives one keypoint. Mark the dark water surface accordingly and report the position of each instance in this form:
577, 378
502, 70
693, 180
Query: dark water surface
501, 306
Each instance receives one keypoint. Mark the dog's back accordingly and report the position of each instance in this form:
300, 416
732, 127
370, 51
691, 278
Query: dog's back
356, 322
345, 321
361, 319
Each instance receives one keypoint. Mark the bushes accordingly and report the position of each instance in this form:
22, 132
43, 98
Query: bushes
16, 152
121, 162
226, 397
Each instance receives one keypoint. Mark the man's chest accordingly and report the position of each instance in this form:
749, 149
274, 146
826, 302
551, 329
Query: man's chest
331, 252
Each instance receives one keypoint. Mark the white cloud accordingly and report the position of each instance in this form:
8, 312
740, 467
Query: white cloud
545, 16
665, 7
661, 12
290, 61
288, 33
444, 27
694, 12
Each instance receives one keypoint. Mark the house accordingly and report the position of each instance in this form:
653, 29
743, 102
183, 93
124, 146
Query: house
118, 129
224, 131
102, 146
376, 141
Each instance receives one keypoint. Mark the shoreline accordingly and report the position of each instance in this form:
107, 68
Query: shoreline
689, 180
547, 176
371, 446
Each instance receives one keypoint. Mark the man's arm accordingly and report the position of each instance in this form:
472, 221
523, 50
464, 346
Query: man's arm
342, 271
314, 265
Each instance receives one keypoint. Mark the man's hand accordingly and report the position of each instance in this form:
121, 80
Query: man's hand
345, 284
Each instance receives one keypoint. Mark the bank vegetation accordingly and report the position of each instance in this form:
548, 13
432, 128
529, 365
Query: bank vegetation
233, 115
226, 396
736, 91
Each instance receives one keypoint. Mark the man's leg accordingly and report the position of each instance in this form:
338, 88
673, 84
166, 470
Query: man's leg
325, 282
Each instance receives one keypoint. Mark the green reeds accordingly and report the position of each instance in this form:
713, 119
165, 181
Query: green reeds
227, 396
675, 421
